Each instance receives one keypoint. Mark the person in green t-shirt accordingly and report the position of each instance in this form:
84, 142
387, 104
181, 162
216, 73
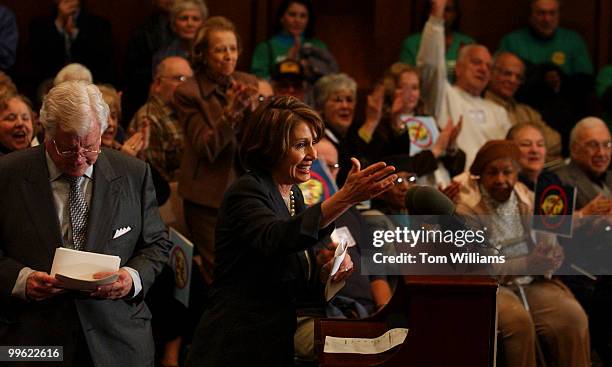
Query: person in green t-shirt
604, 92
294, 41
454, 39
545, 42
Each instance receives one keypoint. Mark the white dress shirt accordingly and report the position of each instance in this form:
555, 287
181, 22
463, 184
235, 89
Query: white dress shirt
60, 189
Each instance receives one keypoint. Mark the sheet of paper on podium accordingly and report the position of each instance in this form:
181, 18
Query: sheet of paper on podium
76, 268
383, 343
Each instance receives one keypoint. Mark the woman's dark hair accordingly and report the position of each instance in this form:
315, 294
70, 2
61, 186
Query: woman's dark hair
309, 31
266, 136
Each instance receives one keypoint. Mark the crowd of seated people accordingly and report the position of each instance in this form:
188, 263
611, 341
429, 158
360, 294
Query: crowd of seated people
507, 121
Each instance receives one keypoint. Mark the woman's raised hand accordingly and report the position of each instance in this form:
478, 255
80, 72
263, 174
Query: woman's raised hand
365, 184
447, 140
375, 104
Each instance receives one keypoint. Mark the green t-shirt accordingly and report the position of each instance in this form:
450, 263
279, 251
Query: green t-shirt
410, 49
604, 80
566, 49
269, 53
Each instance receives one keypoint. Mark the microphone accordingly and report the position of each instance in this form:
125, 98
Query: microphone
427, 200
427, 204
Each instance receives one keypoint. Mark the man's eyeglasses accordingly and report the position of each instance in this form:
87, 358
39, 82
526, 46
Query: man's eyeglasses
262, 98
85, 152
594, 145
333, 167
509, 73
176, 78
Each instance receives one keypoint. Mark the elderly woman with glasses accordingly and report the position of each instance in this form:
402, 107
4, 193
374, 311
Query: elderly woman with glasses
265, 236
211, 107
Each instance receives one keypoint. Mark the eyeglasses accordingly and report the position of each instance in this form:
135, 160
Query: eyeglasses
85, 152
594, 145
410, 180
261, 98
176, 78
333, 167
509, 73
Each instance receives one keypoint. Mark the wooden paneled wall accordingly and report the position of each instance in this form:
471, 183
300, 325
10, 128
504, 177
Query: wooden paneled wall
364, 35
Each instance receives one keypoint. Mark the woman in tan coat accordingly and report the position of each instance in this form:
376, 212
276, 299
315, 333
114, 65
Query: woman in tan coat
211, 108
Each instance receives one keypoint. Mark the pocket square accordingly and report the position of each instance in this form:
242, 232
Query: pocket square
121, 231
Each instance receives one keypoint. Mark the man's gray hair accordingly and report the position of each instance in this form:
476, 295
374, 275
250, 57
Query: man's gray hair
586, 123
73, 71
74, 106
182, 5
332, 83
464, 51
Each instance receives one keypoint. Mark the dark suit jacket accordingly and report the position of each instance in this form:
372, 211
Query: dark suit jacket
572, 175
259, 269
589, 246
118, 332
93, 47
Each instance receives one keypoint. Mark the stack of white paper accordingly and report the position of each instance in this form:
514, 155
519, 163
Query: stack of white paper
76, 268
331, 288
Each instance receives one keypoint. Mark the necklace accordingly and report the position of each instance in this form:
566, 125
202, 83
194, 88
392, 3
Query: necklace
291, 203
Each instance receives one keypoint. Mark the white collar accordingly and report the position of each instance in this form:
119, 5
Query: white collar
55, 173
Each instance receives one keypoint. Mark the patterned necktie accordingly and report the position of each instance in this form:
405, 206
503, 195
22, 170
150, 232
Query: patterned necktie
78, 212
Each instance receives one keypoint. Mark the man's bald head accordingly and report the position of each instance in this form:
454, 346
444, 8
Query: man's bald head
507, 74
169, 74
473, 68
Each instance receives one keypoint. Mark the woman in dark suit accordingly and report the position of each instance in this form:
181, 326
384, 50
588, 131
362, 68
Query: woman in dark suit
210, 108
264, 239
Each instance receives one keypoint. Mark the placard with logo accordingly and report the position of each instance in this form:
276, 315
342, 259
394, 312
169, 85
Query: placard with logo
181, 258
554, 209
423, 132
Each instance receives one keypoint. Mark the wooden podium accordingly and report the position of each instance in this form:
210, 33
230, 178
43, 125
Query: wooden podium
451, 322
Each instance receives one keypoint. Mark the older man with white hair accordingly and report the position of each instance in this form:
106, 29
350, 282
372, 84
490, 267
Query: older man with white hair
590, 151
482, 120
71, 193
589, 172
